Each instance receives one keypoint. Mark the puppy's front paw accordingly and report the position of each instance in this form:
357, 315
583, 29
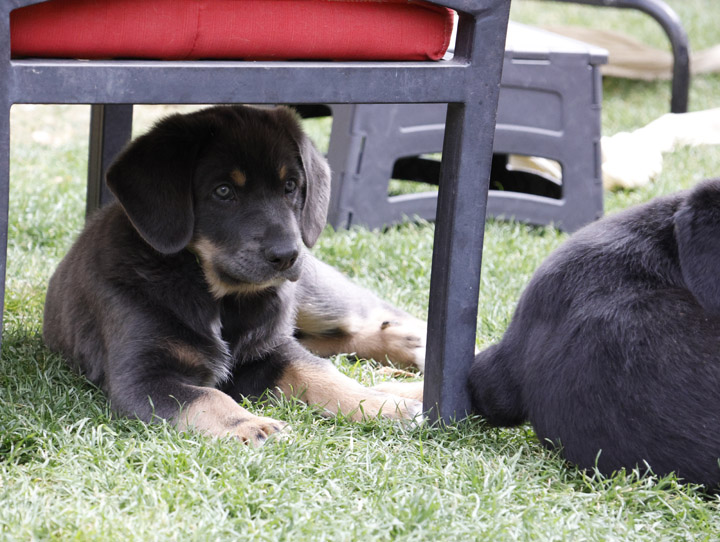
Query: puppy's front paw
410, 390
217, 415
391, 406
414, 413
410, 410
255, 430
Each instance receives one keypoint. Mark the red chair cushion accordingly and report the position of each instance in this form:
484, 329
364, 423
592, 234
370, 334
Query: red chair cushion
232, 29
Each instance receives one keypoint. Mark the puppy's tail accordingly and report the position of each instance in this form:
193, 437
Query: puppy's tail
495, 394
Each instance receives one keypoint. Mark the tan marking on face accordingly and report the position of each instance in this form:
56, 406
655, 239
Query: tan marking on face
318, 382
207, 252
238, 177
216, 414
282, 172
382, 335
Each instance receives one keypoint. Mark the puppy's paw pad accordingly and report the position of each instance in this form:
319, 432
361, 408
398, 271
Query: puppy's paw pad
404, 334
406, 390
411, 412
417, 418
400, 408
256, 430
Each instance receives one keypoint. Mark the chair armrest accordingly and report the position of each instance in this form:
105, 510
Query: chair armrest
671, 24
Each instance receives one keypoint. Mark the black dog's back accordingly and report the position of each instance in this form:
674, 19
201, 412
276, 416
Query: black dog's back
613, 350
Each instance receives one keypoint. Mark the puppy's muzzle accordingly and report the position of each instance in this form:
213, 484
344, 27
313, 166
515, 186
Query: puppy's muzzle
282, 256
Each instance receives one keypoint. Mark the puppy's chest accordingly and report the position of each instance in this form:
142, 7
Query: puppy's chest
253, 326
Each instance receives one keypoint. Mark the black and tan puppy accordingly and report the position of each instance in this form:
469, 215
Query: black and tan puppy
182, 297
614, 350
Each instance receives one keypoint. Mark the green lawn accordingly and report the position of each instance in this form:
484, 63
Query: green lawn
70, 470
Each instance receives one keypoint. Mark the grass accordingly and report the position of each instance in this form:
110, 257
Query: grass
71, 470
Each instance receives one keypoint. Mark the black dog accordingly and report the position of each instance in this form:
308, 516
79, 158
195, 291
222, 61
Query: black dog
182, 297
614, 350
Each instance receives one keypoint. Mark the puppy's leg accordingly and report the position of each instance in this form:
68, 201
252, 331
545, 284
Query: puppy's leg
317, 382
215, 414
203, 409
411, 390
337, 316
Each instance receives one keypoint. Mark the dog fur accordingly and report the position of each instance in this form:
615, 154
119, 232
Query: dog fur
613, 352
181, 297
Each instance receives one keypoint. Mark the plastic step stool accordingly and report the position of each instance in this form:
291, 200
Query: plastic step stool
550, 105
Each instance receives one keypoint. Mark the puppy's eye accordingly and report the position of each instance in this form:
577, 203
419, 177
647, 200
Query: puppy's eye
223, 192
290, 186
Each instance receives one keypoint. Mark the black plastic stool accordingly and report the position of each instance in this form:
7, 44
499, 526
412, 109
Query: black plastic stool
549, 106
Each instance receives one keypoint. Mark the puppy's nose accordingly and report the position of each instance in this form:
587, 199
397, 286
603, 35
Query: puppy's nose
283, 256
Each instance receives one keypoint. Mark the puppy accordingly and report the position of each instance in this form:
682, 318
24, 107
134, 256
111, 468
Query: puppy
613, 352
181, 297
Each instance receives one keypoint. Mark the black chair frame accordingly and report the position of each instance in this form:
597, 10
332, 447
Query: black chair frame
469, 83
671, 24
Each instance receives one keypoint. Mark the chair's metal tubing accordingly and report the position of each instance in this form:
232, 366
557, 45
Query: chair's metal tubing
460, 221
4, 195
118, 82
671, 24
110, 130
462, 199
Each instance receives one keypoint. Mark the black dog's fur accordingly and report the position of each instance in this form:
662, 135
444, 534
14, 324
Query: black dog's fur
190, 282
613, 352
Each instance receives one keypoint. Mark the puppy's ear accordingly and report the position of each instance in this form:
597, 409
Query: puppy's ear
697, 230
317, 192
152, 180
317, 180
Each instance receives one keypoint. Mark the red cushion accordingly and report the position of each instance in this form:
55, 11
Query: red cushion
232, 29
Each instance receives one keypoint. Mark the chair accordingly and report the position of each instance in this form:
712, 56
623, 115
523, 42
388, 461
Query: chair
549, 106
474, 74
671, 25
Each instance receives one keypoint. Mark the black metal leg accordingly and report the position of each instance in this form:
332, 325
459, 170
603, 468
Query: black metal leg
460, 219
110, 130
4, 199
457, 256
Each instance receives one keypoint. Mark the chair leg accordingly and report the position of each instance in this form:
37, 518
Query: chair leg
457, 256
343, 155
4, 201
110, 130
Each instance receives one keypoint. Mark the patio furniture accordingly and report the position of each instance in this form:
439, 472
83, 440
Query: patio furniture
549, 106
672, 26
113, 84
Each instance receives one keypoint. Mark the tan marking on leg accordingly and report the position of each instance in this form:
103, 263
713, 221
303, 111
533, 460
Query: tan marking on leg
216, 414
238, 177
381, 336
186, 354
320, 383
